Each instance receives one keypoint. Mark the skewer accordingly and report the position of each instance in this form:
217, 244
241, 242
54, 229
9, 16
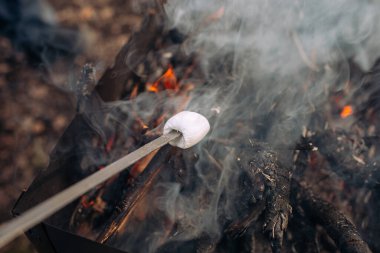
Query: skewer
181, 135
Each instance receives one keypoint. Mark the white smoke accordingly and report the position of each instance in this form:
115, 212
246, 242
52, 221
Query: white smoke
268, 65
287, 54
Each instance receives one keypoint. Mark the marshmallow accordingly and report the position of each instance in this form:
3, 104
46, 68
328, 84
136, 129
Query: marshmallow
192, 125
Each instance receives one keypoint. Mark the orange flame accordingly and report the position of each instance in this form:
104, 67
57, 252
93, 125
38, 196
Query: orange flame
152, 87
168, 80
346, 111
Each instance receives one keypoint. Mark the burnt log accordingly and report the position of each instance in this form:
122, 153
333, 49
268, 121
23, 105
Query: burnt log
277, 181
263, 199
135, 192
112, 83
338, 227
263, 165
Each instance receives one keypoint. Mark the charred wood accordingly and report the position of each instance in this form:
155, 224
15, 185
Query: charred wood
343, 154
338, 227
302, 233
138, 190
111, 86
264, 163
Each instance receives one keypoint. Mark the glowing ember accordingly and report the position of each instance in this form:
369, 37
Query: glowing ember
134, 92
85, 203
168, 80
109, 144
347, 111
141, 123
152, 87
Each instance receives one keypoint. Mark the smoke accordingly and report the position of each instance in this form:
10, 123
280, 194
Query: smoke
268, 66
275, 57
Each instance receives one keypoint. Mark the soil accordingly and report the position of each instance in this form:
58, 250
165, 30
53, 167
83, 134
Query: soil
37, 100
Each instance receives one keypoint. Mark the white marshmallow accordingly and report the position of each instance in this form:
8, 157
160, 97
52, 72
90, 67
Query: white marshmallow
192, 125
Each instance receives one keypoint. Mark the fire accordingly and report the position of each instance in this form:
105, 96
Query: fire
109, 144
346, 111
85, 202
152, 87
168, 80
134, 92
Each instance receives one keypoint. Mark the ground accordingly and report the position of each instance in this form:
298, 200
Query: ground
37, 106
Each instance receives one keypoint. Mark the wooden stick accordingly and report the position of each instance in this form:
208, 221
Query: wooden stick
13, 228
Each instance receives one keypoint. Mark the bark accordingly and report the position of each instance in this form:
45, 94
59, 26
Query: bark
337, 226
137, 191
342, 153
112, 84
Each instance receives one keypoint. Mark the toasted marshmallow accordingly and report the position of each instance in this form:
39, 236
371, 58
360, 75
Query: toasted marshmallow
193, 127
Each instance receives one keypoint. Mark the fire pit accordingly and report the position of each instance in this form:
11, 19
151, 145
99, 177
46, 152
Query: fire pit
291, 161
